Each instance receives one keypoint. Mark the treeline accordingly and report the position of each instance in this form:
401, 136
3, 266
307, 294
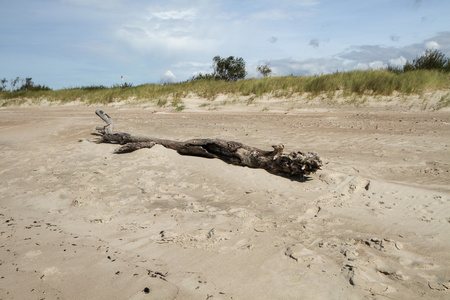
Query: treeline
21, 84
232, 69
27, 84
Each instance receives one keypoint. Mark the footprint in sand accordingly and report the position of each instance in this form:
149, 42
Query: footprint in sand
194, 285
301, 254
367, 278
416, 264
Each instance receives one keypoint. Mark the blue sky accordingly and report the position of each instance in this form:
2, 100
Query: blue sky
69, 43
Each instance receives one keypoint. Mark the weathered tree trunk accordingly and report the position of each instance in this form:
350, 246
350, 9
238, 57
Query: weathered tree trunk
275, 161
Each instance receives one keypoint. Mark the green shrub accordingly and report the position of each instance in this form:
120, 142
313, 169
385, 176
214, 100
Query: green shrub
431, 60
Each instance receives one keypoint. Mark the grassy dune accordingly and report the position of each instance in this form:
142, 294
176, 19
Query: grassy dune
355, 83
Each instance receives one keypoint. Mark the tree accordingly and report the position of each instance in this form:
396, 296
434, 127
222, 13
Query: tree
27, 85
264, 69
4, 81
14, 82
229, 69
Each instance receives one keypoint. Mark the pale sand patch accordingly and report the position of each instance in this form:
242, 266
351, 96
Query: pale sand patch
79, 222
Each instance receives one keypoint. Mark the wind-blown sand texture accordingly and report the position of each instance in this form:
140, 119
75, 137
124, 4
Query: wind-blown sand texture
80, 222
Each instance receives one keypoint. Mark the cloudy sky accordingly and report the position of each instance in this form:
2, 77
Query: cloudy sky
69, 43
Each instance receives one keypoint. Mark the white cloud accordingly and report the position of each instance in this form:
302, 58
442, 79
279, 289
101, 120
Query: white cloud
252, 71
273, 15
377, 65
193, 64
188, 15
313, 66
168, 77
432, 45
401, 61
171, 35
197, 73
166, 42
188, 70
361, 66
279, 15
283, 11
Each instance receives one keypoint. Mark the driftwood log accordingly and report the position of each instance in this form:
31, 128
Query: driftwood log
275, 161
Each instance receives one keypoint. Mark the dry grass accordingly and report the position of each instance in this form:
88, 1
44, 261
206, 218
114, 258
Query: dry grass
355, 83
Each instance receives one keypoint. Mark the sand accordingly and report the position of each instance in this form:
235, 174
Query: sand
80, 222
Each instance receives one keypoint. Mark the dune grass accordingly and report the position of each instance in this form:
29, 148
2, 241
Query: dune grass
370, 82
444, 101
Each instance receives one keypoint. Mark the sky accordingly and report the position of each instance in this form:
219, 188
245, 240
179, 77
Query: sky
72, 43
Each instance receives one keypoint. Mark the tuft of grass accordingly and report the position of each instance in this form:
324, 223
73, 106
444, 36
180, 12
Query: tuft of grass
161, 102
180, 107
176, 102
251, 100
443, 102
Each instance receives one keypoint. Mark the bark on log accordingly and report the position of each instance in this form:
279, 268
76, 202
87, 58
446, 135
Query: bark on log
276, 161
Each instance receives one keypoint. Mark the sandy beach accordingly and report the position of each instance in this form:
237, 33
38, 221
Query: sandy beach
80, 222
